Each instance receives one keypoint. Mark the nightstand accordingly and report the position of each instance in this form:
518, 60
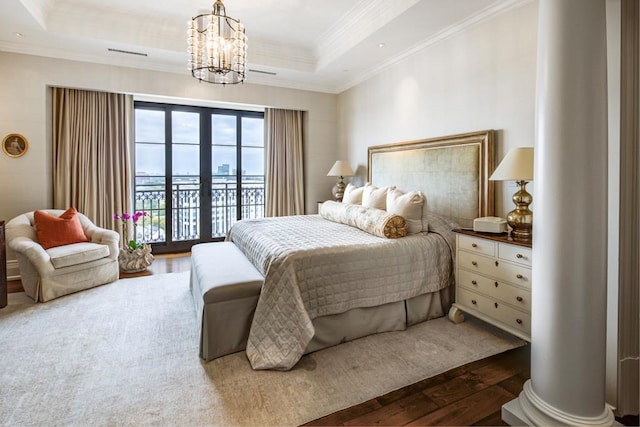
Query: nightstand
493, 281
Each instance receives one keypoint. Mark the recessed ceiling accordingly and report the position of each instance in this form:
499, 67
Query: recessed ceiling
325, 45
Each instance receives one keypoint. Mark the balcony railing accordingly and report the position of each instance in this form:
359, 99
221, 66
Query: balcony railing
186, 218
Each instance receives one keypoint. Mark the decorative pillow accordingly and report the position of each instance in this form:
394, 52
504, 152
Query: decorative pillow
407, 205
437, 223
352, 194
55, 231
374, 197
374, 221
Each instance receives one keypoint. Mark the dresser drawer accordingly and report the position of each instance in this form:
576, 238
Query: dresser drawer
475, 245
511, 317
476, 263
511, 273
517, 297
503, 271
513, 253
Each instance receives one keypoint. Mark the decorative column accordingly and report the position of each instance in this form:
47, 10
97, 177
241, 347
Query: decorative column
569, 282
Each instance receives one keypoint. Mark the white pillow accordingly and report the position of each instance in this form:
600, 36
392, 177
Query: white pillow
352, 194
374, 197
409, 206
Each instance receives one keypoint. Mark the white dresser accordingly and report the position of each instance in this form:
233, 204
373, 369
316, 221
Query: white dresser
493, 281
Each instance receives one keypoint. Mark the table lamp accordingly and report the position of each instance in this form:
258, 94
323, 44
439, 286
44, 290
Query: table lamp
517, 165
340, 168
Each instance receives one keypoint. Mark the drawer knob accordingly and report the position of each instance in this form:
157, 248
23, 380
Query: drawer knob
496, 304
519, 321
475, 264
519, 299
519, 276
520, 256
473, 282
496, 263
473, 302
495, 283
473, 245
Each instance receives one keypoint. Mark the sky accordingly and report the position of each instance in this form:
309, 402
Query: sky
149, 128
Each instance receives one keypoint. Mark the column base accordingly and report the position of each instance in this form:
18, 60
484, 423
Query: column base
513, 415
528, 409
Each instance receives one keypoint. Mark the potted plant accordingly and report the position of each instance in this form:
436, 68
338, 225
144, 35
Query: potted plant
134, 256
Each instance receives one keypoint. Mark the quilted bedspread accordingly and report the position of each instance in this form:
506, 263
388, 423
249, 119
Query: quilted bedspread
314, 267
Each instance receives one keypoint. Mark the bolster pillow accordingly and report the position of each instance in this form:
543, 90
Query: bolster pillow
374, 221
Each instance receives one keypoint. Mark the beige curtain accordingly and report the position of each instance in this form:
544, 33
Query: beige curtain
284, 168
91, 161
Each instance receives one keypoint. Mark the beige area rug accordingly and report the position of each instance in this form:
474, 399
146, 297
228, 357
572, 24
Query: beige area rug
127, 354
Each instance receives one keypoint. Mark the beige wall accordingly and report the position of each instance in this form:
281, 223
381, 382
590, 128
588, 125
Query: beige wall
481, 78
25, 182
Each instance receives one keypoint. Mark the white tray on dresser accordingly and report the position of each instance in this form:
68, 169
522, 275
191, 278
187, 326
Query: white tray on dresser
493, 281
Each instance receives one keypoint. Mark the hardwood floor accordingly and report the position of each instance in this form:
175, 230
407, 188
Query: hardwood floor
472, 394
165, 263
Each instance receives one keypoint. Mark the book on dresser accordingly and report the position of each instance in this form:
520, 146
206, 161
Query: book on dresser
493, 281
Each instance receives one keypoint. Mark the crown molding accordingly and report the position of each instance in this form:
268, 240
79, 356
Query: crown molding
482, 16
150, 65
147, 63
355, 25
39, 9
366, 17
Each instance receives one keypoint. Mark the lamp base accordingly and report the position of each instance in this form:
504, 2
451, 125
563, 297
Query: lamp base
338, 190
521, 218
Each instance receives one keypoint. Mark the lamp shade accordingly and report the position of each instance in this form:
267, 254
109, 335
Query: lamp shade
517, 165
341, 168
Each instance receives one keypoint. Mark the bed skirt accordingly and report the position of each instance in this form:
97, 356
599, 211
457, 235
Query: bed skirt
361, 322
224, 326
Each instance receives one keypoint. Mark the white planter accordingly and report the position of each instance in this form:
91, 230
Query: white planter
138, 260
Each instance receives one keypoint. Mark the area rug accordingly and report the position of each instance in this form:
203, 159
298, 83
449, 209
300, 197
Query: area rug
127, 354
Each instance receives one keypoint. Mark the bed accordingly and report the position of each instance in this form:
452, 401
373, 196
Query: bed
327, 282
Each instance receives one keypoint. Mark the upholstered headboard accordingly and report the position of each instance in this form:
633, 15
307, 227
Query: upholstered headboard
452, 171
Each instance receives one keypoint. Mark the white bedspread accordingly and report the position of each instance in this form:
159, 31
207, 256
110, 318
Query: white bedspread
314, 267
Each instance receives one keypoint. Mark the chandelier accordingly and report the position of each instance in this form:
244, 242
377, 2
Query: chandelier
217, 47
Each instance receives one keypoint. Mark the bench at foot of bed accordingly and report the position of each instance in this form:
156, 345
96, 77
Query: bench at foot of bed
225, 288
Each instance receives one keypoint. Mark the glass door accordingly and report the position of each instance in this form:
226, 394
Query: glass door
237, 168
198, 171
185, 176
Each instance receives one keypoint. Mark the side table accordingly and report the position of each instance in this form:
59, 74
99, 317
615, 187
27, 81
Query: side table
493, 281
3, 268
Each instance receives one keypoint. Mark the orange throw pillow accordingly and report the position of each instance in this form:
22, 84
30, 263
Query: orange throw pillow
55, 231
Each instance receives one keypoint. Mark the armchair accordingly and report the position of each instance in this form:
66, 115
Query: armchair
50, 273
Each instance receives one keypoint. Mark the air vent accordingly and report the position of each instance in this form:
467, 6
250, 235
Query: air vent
128, 52
262, 72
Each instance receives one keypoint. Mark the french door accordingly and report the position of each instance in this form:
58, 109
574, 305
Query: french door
197, 171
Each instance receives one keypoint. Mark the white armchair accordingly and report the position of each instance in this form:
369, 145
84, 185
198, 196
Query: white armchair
50, 273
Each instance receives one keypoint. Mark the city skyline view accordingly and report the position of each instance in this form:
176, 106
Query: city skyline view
150, 143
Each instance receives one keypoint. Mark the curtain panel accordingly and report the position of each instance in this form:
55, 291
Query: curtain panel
284, 174
92, 132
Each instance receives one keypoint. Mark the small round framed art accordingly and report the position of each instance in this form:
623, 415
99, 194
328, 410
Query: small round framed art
15, 145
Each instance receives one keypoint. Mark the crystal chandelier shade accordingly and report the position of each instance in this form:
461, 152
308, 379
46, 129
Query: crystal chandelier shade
217, 47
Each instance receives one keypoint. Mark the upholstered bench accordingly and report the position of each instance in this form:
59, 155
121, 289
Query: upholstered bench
225, 288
